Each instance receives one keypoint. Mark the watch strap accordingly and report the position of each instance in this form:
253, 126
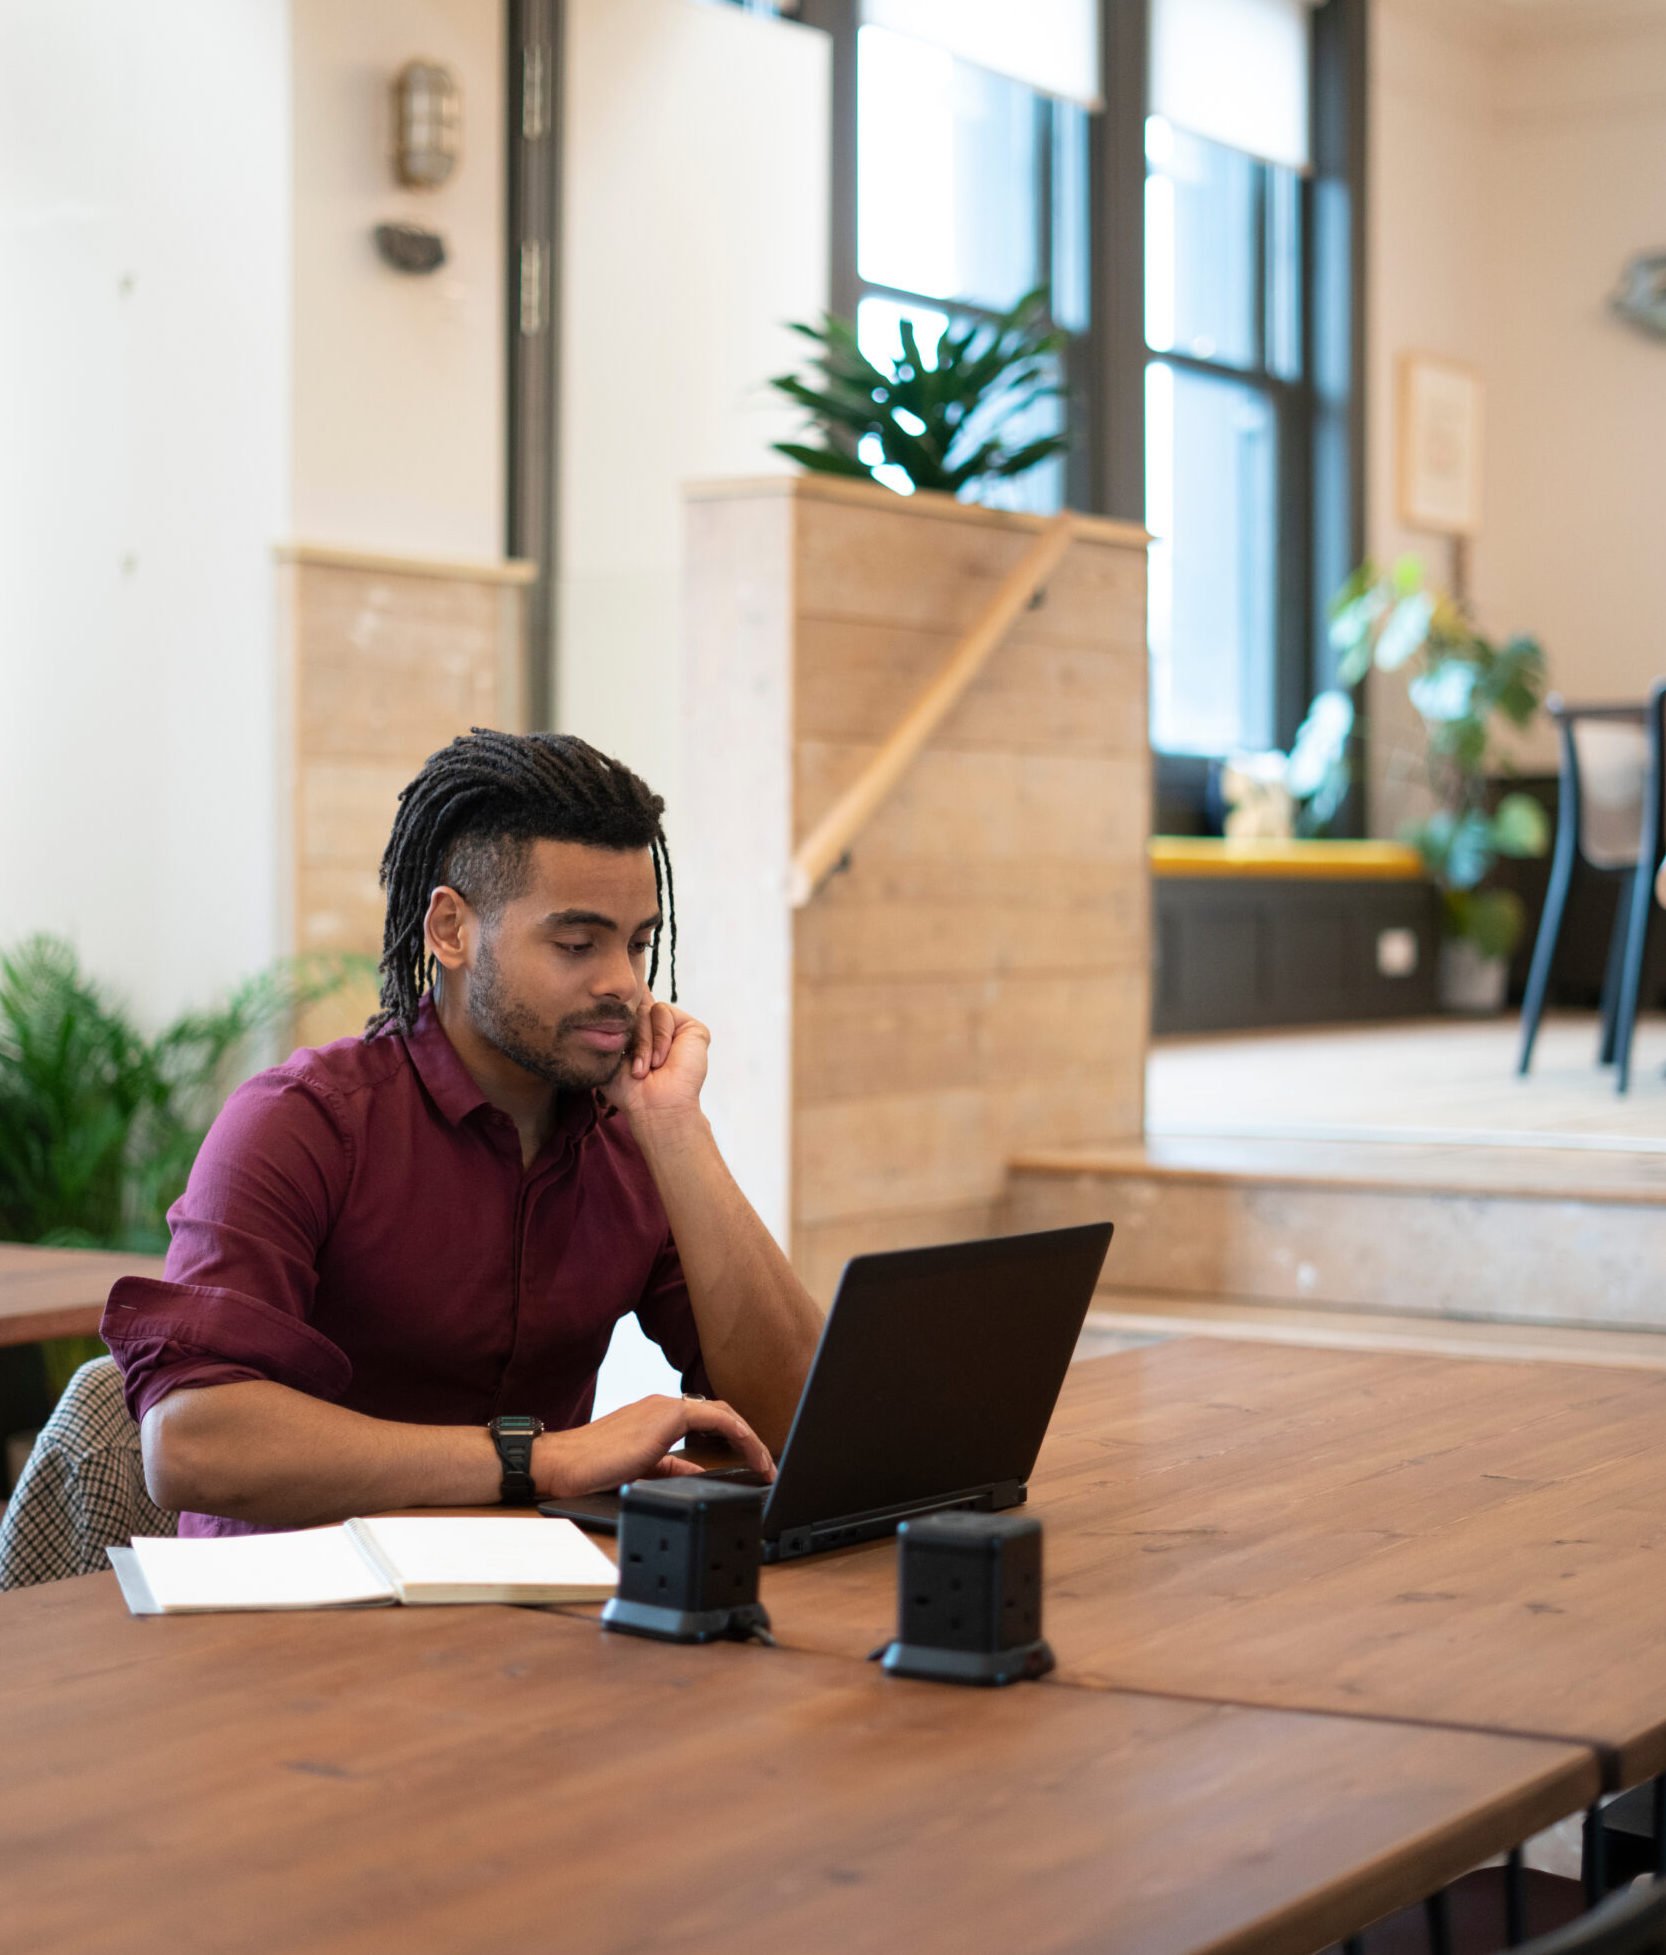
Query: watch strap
513, 1434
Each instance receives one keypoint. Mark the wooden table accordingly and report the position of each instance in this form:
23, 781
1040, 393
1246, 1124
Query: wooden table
442, 1778
1429, 1539
59, 1292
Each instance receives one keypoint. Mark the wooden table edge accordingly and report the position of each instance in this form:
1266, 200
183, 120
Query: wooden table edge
1333, 1912
51, 1320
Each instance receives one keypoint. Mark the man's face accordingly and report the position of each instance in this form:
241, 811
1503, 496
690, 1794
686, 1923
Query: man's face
557, 976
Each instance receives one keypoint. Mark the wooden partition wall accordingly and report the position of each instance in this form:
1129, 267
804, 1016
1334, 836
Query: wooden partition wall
389, 658
975, 982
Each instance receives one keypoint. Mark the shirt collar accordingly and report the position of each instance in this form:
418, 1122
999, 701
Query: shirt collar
454, 1090
450, 1084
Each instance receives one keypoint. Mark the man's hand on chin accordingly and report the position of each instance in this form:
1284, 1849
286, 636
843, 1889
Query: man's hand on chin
758, 1324
665, 1066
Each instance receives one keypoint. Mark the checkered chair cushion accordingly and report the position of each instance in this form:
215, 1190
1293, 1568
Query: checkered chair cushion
83, 1488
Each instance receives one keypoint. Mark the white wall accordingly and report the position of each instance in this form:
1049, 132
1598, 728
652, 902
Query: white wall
1431, 274
1578, 448
399, 378
200, 357
144, 422
694, 223
1515, 165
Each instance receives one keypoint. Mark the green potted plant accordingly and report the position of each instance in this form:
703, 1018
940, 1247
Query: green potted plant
99, 1123
1463, 687
952, 420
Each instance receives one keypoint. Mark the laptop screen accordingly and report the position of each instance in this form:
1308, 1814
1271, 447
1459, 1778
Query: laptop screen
937, 1373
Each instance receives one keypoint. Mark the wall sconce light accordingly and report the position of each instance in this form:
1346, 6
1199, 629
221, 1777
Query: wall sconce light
427, 124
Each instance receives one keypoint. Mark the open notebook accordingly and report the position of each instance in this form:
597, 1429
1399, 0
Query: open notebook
422, 1558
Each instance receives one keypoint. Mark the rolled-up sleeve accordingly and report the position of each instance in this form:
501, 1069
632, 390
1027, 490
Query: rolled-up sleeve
235, 1299
667, 1315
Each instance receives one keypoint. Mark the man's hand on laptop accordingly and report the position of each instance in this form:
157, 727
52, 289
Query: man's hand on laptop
635, 1443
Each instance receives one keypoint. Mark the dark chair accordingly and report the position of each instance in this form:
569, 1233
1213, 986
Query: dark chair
1471, 1917
1609, 820
1633, 1923
1625, 1837
1480, 1913
1643, 904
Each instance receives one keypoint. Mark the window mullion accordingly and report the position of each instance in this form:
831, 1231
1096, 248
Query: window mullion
1257, 377
869, 288
1258, 246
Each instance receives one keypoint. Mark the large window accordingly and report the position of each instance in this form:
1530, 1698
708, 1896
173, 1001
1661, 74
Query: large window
1227, 433
1208, 288
971, 190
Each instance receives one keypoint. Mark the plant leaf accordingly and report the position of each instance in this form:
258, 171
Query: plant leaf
823, 461
1404, 630
1520, 826
947, 423
1491, 919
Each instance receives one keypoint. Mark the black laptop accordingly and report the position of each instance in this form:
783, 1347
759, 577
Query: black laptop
932, 1386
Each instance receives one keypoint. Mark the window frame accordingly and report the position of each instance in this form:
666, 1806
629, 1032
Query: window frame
841, 20
1290, 404
1330, 455
1105, 366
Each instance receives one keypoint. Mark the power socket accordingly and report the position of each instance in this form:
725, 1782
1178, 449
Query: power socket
689, 1551
969, 1600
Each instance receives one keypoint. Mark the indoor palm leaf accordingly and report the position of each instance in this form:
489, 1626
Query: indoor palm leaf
99, 1124
949, 422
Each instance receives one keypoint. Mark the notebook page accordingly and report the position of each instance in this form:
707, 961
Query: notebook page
130, 1578
314, 1568
510, 1557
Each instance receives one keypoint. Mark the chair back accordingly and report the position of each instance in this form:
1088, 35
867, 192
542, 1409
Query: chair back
1605, 778
1629, 1923
82, 1489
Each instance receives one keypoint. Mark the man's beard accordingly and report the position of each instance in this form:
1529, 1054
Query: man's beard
521, 1035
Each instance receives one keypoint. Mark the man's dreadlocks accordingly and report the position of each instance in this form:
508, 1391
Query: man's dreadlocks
468, 821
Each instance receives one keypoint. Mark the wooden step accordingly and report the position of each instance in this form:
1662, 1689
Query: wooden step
1130, 1321
1492, 1234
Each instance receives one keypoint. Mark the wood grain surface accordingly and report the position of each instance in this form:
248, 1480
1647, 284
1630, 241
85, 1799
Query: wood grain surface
387, 659
918, 1041
438, 1779
1469, 1543
59, 1292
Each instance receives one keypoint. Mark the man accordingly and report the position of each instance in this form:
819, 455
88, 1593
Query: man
400, 1258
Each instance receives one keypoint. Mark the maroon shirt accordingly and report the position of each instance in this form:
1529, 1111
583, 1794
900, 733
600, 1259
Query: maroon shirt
358, 1225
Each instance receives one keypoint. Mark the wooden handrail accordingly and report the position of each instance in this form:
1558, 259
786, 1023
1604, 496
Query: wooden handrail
827, 844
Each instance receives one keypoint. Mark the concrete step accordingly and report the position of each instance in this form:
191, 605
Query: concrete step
1127, 1322
1490, 1234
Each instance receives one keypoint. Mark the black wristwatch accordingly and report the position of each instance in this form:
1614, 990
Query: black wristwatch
512, 1435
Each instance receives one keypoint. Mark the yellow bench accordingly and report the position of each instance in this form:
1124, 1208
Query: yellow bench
1253, 933
1204, 855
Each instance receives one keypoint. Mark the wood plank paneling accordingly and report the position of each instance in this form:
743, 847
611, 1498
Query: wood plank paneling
821, 1249
974, 980
866, 563
389, 661
857, 680
987, 804
912, 1035
943, 937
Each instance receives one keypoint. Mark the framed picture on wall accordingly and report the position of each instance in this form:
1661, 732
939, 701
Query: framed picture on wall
1439, 445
